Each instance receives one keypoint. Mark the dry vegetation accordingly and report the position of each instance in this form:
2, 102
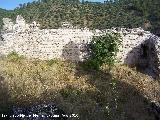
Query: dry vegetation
122, 94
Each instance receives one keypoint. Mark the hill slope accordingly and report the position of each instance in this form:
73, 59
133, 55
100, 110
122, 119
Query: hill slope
50, 14
123, 94
119, 13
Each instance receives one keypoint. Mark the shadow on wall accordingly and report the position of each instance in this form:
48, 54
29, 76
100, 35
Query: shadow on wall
0, 37
144, 58
71, 51
136, 56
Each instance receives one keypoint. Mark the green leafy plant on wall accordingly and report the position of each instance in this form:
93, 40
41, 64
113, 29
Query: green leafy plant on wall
103, 50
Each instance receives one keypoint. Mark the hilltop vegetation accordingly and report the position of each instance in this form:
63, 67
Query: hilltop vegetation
116, 13
5, 13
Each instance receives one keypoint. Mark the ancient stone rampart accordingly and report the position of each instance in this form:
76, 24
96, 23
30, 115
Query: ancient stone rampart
71, 43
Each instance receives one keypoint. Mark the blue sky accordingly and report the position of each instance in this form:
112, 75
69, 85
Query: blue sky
11, 4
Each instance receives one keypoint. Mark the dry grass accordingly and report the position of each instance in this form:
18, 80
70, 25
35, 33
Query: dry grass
144, 84
93, 95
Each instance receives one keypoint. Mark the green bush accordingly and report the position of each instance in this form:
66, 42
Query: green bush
103, 50
52, 61
14, 57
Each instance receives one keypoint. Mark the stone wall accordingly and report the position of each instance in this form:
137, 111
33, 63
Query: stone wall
67, 42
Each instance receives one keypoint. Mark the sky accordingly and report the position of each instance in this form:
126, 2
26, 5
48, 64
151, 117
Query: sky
11, 4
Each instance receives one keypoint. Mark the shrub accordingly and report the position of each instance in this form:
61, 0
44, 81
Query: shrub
103, 50
13, 56
52, 61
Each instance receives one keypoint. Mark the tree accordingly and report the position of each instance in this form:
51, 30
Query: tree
103, 50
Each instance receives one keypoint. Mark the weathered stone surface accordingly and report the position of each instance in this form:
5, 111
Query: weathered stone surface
30, 41
70, 43
8, 25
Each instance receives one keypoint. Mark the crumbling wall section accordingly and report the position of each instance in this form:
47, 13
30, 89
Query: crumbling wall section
66, 43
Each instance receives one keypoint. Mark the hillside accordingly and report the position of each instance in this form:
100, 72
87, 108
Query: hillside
120, 13
122, 94
92, 74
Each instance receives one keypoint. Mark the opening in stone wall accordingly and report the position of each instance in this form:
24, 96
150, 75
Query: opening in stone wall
145, 49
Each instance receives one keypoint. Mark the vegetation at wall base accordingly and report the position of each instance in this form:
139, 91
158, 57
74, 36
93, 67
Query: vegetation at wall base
122, 93
14, 57
104, 50
52, 61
